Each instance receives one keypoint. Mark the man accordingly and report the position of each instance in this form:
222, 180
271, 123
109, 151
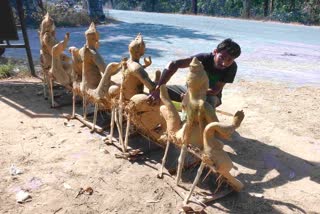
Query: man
219, 66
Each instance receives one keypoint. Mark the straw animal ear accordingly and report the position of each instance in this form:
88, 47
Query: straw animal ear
195, 65
194, 62
139, 37
138, 40
92, 26
47, 16
137, 46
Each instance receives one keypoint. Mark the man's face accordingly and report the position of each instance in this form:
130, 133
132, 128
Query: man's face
222, 59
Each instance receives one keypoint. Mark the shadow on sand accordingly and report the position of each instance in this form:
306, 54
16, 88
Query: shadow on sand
263, 158
26, 98
250, 153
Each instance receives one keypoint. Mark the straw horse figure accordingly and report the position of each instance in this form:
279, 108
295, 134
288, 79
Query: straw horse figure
134, 78
201, 129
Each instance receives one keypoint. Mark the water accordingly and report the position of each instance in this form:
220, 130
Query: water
270, 51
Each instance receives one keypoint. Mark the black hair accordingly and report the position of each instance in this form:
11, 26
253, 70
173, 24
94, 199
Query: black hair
232, 48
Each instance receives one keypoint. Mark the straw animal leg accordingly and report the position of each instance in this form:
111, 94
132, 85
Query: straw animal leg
181, 162
127, 133
73, 105
121, 118
117, 115
112, 124
164, 159
195, 182
45, 85
51, 93
84, 107
96, 107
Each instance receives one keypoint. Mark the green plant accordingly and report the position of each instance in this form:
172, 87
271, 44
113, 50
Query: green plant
6, 70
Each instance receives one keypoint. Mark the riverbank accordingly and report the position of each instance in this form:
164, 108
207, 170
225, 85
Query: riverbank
275, 153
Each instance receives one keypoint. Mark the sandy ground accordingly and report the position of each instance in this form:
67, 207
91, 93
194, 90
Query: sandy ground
276, 153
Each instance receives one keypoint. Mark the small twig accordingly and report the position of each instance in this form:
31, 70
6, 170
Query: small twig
207, 175
103, 180
80, 192
153, 201
181, 195
57, 210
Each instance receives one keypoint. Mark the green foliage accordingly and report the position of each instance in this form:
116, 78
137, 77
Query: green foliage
65, 16
127, 5
6, 70
307, 11
293, 16
312, 11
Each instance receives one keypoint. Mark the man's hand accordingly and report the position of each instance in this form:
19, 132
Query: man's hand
154, 97
216, 89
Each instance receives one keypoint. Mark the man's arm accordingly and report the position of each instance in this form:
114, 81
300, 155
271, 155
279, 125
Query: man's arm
172, 67
166, 74
216, 89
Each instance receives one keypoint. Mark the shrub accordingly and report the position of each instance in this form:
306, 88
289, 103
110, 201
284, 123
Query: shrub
292, 16
6, 70
63, 16
68, 17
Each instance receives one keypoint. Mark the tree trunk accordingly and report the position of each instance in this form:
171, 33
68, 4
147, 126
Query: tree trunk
95, 9
246, 8
194, 6
271, 5
265, 7
153, 5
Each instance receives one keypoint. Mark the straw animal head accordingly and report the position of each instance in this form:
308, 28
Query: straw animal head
92, 31
137, 47
197, 78
92, 36
47, 24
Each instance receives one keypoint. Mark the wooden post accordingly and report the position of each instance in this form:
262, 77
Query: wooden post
265, 8
25, 36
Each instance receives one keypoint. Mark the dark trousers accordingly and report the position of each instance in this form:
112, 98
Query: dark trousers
176, 91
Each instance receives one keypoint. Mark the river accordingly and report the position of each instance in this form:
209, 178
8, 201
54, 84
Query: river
270, 51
